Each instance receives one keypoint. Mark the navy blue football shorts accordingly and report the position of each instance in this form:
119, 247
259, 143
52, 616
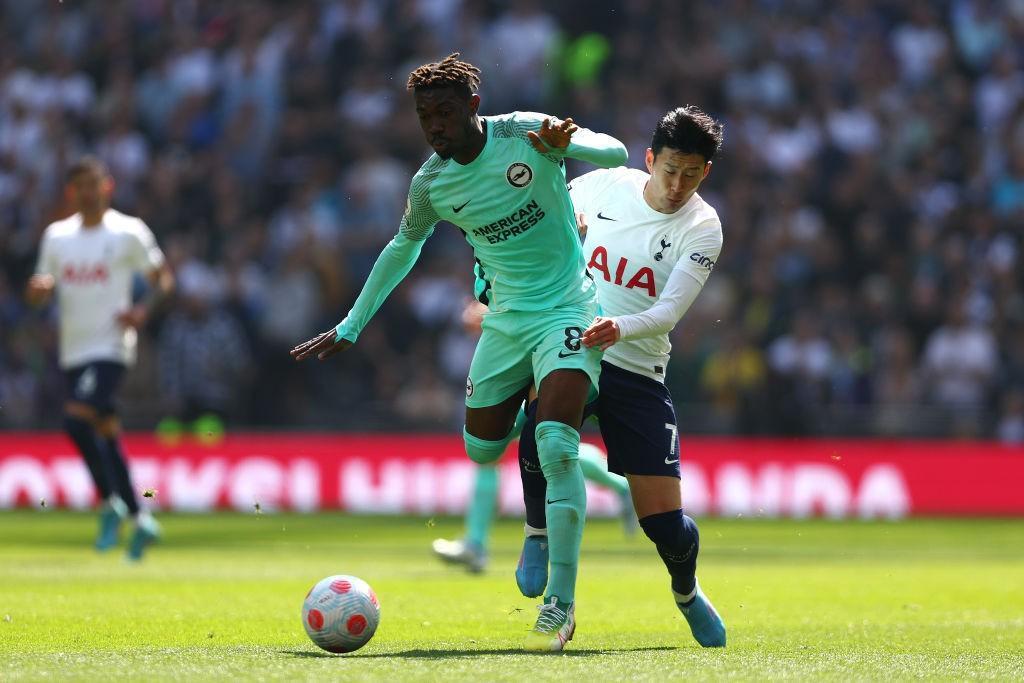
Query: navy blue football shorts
95, 384
637, 422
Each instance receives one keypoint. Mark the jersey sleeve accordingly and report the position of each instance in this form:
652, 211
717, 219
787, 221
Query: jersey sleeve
397, 258
680, 292
391, 267
145, 254
47, 262
684, 283
700, 253
419, 218
598, 149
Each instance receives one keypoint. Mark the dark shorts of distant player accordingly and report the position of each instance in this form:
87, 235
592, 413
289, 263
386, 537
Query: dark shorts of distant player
519, 347
95, 384
637, 422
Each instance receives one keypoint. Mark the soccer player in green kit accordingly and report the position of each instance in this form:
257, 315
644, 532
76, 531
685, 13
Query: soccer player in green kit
501, 180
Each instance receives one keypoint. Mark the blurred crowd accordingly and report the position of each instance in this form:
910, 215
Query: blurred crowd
871, 189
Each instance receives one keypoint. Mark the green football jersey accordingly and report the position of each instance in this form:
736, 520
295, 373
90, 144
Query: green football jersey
512, 204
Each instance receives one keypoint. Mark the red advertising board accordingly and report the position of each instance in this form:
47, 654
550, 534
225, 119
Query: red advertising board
430, 474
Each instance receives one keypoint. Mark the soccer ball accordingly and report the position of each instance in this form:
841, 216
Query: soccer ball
341, 613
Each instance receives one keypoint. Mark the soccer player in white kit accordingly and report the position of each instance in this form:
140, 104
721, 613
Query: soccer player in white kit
89, 260
651, 243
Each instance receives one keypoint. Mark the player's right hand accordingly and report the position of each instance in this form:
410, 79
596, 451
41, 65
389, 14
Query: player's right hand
39, 288
581, 225
602, 333
473, 316
553, 136
322, 346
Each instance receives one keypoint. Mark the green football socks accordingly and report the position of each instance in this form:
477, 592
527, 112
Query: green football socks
482, 506
558, 447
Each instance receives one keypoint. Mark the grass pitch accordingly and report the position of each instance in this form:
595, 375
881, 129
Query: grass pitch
221, 599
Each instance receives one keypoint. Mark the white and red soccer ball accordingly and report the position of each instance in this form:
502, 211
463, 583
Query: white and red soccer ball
341, 613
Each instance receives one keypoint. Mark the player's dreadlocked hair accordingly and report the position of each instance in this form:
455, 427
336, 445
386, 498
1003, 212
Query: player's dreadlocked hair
688, 130
449, 72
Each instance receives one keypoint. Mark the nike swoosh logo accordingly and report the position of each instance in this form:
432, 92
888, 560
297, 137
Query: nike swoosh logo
560, 500
563, 354
605, 218
671, 462
460, 208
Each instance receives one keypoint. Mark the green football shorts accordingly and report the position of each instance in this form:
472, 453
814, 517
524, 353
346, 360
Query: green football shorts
519, 347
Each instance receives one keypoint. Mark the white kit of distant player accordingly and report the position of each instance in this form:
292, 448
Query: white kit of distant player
638, 256
95, 269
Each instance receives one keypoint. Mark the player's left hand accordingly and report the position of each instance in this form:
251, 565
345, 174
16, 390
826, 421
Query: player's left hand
602, 333
135, 317
322, 346
553, 136
473, 316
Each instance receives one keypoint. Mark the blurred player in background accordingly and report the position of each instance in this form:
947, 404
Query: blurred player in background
90, 260
652, 242
501, 180
471, 550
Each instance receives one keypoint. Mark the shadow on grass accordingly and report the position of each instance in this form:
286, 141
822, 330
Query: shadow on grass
446, 654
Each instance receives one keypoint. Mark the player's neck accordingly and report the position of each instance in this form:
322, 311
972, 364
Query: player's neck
92, 219
476, 144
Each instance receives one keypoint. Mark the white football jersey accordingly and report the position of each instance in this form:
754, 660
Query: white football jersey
631, 250
93, 269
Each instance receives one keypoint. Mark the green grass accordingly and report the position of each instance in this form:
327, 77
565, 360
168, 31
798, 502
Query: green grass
802, 600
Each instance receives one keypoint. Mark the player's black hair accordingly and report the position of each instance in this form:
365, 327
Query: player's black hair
86, 164
450, 72
688, 130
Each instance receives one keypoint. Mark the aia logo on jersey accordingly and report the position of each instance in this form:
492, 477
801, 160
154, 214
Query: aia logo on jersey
641, 279
519, 175
702, 260
84, 274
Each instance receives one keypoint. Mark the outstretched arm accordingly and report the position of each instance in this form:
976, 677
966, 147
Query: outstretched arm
393, 264
565, 138
681, 291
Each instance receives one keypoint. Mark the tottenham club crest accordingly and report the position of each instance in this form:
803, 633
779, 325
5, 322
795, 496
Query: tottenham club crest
519, 175
469, 387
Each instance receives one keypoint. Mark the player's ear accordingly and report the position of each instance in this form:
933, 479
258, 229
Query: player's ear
474, 103
707, 170
108, 186
649, 160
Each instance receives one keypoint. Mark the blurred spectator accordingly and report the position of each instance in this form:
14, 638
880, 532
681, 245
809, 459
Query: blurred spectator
800, 362
959, 366
733, 379
1010, 429
896, 382
871, 190
203, 352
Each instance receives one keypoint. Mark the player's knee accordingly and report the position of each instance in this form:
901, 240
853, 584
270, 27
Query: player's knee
77, 427
483, 451
80, 411
671, 529
558, 446
108, 426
